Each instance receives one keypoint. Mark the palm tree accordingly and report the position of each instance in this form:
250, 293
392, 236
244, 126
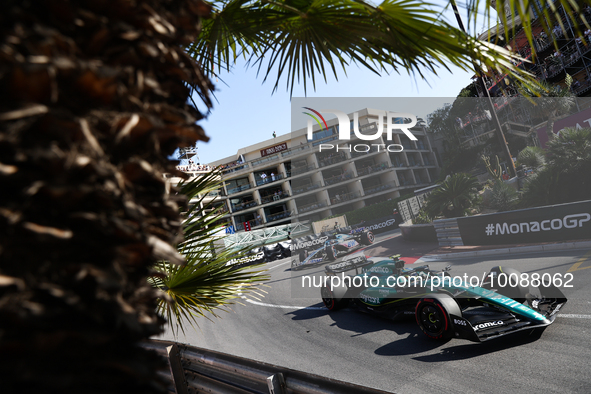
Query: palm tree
532, 157
209, 280
454, 197
546, 101
565, 177
305, 39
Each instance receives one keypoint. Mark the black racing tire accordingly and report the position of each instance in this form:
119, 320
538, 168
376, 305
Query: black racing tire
367, 238
333, 300
433, 315
518, 292
330, 253
303, 255
295, 267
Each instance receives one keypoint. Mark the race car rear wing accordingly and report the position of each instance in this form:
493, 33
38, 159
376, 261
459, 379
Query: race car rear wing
356, 263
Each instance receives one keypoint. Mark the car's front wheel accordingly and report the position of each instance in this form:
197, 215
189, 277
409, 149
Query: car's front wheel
332, 300
433, 315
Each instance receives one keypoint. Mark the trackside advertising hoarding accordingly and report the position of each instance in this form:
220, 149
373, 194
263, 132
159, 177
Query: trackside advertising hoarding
544, 224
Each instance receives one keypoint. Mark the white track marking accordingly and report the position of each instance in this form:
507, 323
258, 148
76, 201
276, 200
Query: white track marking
312, 308
574, 316
279, 265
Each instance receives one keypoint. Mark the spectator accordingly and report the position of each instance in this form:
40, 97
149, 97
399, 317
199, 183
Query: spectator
274, 135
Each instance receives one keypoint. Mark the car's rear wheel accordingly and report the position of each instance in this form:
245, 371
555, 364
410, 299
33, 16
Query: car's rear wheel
303, 255
433, 315
332, 300
367, 238
331, 255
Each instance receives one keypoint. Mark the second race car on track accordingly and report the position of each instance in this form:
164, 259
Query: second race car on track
444, 307
335, 246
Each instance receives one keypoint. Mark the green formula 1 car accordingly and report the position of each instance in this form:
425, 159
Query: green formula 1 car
444, 306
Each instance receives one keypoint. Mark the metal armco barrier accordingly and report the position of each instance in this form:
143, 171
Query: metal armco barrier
448, 233
564, 222
196, 370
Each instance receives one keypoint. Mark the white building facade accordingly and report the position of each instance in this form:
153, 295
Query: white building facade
293, 178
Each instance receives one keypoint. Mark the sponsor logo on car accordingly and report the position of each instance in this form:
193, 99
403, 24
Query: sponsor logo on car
247, 259
460, 322
370, 299
307, 244
489, 324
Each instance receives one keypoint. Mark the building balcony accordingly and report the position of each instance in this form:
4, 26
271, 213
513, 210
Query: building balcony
306, 188
332, 159
339, 198
252, 223
345, 176
270, 179
303, 169
238, 189
274, 197
295, 151
378, 188
278, 216
243, 206
372, 169
311, 207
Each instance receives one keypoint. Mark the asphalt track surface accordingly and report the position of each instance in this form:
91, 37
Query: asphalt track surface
395, 356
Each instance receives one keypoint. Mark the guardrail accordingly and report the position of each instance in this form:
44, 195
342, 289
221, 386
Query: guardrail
448, 233
196, 369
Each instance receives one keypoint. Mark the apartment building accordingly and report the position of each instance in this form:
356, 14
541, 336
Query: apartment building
559, 53
290, 178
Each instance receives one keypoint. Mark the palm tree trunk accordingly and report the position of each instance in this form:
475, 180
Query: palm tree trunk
94, 98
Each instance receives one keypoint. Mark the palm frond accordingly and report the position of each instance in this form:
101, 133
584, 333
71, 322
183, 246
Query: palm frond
209, 281
300, 40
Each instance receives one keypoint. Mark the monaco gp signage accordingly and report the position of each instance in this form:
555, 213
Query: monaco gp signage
544, 224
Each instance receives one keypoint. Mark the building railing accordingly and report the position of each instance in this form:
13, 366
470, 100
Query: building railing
339, 198
372, 169
252, 222
270, 179
295, 150
239, 189
302, 169
311, 207
234, 167
345, 176
332, 159
278, 216
275, 197
264, 160
306, 188
378, 188
243, 206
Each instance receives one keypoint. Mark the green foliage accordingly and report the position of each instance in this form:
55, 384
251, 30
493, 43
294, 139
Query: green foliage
455, 197
532, 156
207, 282
304, 40
422, 218
503, 197
565, 178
